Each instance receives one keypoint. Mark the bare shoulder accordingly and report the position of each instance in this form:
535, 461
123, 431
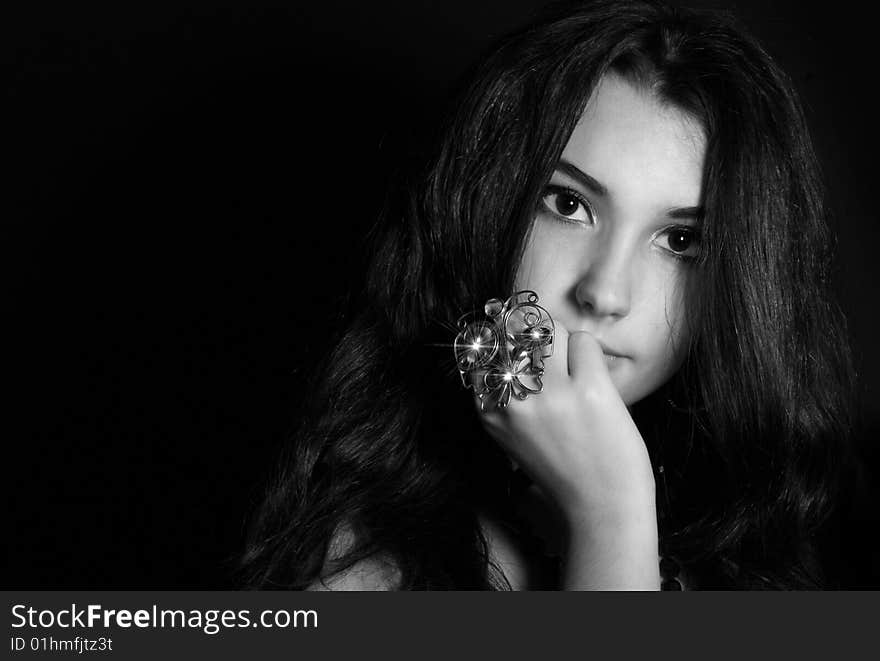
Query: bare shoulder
380, 572
522, 569
370, 574
377, 572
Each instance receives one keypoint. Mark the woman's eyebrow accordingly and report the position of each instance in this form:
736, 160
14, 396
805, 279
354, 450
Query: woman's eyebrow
581, 177
678, 213
687, 213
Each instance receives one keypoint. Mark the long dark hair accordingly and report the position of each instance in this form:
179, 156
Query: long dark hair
749, 431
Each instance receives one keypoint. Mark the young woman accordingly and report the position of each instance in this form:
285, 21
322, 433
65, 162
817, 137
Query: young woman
648, 174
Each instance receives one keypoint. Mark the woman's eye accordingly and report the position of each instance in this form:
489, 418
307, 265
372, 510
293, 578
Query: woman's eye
683, 242
569, 205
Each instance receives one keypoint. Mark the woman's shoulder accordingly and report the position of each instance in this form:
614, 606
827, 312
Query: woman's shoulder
516, 556
367, 575
522, 567
376, 572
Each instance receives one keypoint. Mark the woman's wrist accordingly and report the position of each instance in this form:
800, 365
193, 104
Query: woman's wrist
610, 507
613, 547
633, 517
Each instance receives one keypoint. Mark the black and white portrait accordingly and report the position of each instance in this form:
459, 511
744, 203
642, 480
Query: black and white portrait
442, 296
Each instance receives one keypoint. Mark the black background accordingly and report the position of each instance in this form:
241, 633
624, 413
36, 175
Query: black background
184, 218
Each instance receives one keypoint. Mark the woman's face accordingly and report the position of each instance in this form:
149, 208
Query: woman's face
616, 232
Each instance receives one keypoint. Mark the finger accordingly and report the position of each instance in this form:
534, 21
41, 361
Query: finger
585, 357
556, 366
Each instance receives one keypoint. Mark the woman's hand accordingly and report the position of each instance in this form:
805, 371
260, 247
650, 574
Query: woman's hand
579, 444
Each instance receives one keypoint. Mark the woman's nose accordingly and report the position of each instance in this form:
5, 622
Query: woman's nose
604, 288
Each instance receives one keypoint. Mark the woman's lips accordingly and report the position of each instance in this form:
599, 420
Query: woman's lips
609, 352
611, 355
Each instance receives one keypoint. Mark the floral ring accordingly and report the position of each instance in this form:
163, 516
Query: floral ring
501, 354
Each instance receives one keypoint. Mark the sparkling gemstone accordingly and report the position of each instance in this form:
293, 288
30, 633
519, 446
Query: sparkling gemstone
475, 345
493, 307
533, 338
